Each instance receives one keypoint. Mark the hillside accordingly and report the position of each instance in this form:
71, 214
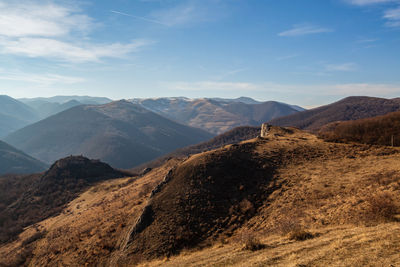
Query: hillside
29, 199
14, 115
15, 161
380, 130
217, 115
350, 108
290, 199
119, 133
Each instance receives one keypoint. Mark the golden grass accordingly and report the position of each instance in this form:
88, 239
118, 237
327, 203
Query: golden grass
334, 192
334, 246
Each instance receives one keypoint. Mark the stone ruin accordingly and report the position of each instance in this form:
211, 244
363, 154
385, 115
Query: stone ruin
265, 127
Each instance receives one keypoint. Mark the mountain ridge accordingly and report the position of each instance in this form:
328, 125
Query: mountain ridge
120, 133
349, 108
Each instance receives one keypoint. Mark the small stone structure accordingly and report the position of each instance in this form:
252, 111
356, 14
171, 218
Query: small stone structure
265, 127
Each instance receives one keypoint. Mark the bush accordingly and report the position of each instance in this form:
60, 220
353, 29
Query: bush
381, 207
300, 235
250, 241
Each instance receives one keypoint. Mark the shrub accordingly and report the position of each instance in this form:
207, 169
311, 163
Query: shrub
300, 235
250, 241
381, 207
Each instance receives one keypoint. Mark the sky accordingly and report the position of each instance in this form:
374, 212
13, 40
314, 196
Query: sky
304, 52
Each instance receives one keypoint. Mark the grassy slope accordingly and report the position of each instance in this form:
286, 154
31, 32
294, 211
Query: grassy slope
376, 131
326, 189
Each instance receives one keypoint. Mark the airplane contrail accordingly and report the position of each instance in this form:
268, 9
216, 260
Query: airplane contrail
137, 17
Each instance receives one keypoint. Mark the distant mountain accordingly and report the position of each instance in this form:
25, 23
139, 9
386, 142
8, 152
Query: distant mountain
120, 133
45, 109
350, 108
90, 100
17, 162
14, 115
243, 99
216, 115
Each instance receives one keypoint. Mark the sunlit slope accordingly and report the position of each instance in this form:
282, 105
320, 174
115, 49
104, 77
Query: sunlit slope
303, 200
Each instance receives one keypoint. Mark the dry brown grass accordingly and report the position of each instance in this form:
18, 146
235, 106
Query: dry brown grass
250, 240
329, 205
91, 228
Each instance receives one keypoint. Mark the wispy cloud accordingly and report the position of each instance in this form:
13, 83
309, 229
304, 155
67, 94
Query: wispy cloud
393, 17
304, 29
189, 12
41, 79
342, 90
138, 17
345, 67
45, 29
368, 2
287, 57
76, 53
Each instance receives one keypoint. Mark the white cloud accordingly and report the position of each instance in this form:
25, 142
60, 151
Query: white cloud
19, 19
304, 29
54, 49
368, 2
342, 67
53, 31
393, 17
190, 12
342, 90
42, 79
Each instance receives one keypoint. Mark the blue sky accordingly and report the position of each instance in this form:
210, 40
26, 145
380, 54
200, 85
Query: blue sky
306, 52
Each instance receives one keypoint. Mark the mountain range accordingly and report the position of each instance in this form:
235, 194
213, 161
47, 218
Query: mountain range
120, 133
217, 115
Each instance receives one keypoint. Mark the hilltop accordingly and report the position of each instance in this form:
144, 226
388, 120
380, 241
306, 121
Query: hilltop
289, 199
350, 108
119, 133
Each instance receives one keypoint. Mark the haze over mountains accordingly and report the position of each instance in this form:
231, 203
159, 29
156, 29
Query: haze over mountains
120, 133
14, 115
217, 115
18, 113
13, 160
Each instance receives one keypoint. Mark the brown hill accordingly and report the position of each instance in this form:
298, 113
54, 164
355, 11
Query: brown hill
380, 130
30, 199
350, 108
290, 199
